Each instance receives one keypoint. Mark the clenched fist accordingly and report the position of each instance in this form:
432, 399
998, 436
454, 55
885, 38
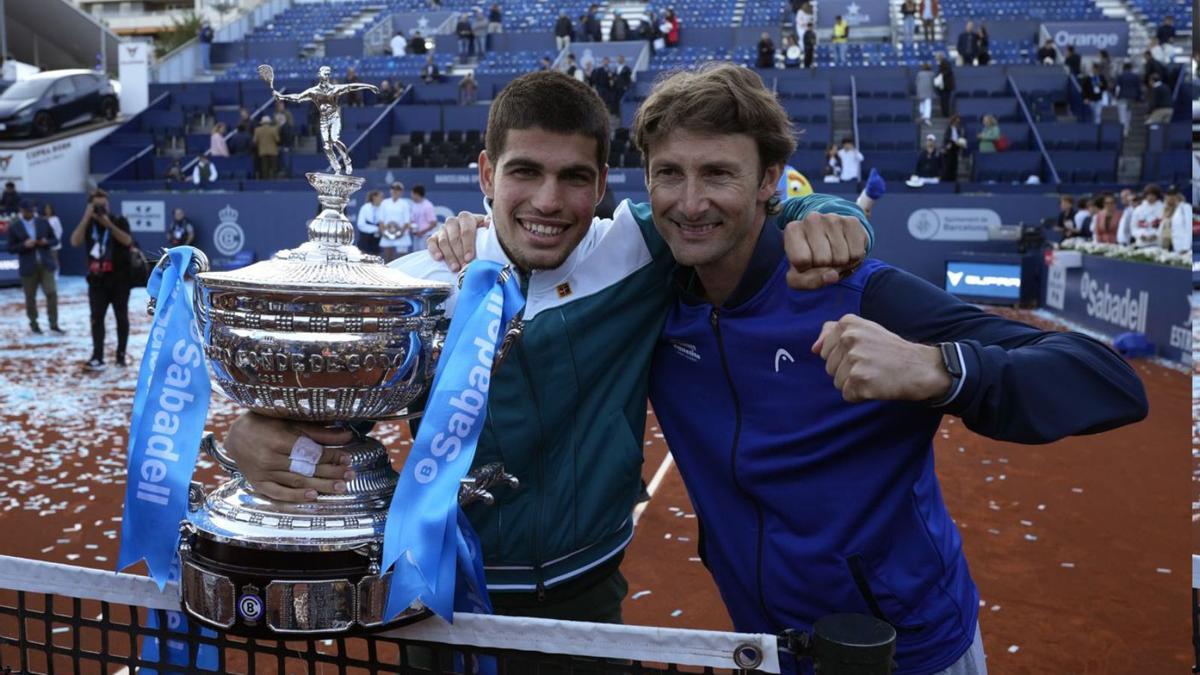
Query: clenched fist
823, 248
870, 363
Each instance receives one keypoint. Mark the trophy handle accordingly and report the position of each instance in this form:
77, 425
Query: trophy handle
198, 265
477, 485
209, 445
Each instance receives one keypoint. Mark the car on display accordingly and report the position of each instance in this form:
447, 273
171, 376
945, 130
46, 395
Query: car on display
56, 99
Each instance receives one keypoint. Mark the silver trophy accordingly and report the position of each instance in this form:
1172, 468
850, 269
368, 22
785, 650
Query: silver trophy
319, 333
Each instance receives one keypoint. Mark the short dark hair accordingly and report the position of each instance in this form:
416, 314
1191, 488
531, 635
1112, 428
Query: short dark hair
1153, 189
97, 193
418, 189
551, 101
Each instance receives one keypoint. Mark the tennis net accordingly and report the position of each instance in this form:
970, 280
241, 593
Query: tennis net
62, 619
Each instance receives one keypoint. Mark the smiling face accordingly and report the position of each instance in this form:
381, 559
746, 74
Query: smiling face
709, 193
544, 188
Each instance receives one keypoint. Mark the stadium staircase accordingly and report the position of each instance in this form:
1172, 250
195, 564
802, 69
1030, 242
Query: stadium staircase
1129, 165
843, 120
1139, 32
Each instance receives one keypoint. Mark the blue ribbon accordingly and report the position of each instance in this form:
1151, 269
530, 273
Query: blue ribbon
169, 409
427, 537
178, 653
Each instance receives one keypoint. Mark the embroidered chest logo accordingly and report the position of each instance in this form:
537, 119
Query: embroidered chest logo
686, 350
564, 289
782, 355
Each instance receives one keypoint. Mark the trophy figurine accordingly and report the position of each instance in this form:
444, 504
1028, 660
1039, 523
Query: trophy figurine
320, 333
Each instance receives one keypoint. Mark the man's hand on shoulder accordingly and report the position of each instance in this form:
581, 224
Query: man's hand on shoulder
823, 248
262, 446
454, 243
870, 363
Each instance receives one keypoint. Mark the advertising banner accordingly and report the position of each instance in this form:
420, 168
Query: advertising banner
1089, 37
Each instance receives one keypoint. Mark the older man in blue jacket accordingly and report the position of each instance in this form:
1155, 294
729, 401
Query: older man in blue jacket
32, 239
802, 421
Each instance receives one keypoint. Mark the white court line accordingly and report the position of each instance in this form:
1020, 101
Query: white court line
653, 486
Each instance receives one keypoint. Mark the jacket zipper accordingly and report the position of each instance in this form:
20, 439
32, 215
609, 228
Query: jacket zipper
537, 521
714, 318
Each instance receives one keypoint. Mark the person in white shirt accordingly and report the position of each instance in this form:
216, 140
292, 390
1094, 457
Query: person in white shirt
399, 45
804, 18
395, 224
205, 172
1163, 53
1147, 218
1175, 232
368, 223
851, 160
1129, 203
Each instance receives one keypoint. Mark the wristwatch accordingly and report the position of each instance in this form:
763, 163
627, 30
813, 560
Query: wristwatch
953, 365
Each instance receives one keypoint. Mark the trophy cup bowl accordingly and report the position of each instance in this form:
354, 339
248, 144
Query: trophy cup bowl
321, 333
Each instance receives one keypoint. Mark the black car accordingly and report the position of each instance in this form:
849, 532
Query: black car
49, 101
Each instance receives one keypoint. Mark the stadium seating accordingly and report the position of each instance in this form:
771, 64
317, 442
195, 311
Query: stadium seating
1157, 10
1050, 10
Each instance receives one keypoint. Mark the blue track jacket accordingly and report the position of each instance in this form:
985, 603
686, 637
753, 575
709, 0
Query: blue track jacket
810, 505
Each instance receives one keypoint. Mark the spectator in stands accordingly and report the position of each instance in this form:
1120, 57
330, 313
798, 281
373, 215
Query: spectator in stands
216, 141
831, 170
106, 239
479, 26
1160, 102
1130, 200
1147, 218
368, 223
1048, 53
1129, 91
545, 63
418, 45
399, 45
1152, 66
954, 143
10, 200
468, 89
792, 56
1106, 219
944, 83
244, 118
651, 32
804, 18
1175, 232
984, 55
429, 72
1106, 65
563, 30
810, 45
571, 67
766, 52
395, 224
968, 45
31, 240
1065, 221
592, 26
988, 134
495, 24
672, 35
56, 227
840, 40
925, 91
205, 172
1166, 31
1073, 62
181, 232
619, 31
206, 36
929, 162
851, 160
1085, 211
929, 16
1163, 52
241, 141
387, 93
174, 175
622, 79
1096, 90
466, 37
602, 81
286, 124
908, 10
266, 148
424, 218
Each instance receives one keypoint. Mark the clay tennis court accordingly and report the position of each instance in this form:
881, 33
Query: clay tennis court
1080, 548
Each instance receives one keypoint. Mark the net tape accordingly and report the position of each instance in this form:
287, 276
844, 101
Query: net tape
634, 648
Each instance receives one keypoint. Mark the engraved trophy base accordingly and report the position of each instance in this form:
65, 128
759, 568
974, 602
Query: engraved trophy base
260, 568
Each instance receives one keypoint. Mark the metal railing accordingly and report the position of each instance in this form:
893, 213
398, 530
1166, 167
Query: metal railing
1037, 136
363, 147
854, 118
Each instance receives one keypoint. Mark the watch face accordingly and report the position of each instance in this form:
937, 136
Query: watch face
950, 359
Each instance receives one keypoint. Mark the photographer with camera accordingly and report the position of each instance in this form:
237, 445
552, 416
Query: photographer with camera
106, 238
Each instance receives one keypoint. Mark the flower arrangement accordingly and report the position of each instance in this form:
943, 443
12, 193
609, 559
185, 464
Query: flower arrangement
1151, 255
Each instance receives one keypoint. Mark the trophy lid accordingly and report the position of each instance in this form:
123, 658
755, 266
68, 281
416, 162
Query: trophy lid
328, 262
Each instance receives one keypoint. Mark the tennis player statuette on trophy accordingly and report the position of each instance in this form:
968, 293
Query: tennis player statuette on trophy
319, 333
